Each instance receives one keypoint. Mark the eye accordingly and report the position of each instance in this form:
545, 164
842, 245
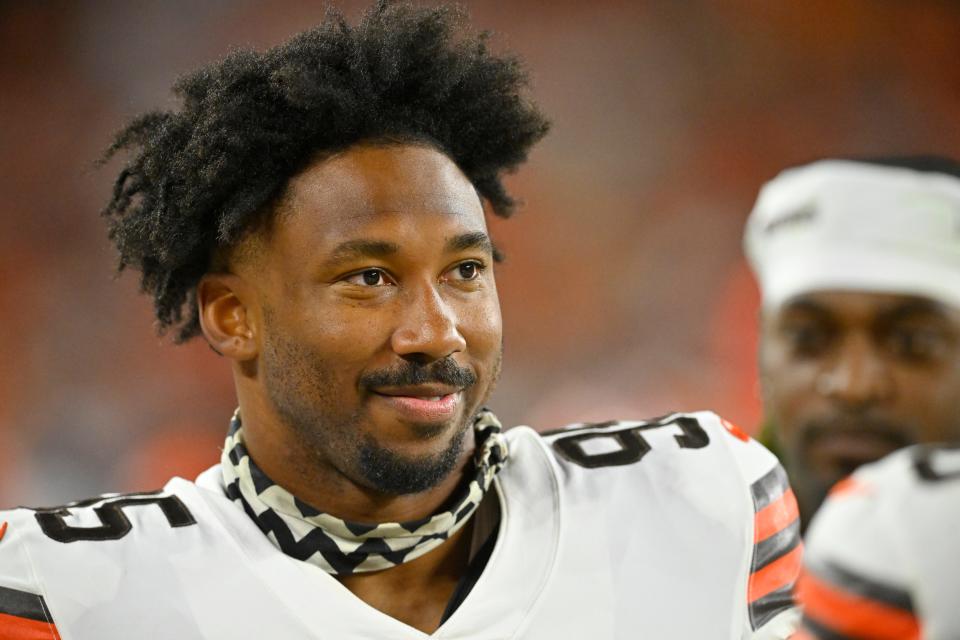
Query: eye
467, 271
807, 339
918, 344
369, 278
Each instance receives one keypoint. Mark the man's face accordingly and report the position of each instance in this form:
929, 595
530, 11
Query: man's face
850, 376
381, 330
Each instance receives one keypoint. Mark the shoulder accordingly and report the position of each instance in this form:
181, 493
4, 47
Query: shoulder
698, 455
53, 557
696, 475
883, 539
682, 443
23, 606
107, 517
910, 489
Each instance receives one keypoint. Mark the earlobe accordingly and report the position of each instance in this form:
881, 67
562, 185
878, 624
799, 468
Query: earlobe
225, 318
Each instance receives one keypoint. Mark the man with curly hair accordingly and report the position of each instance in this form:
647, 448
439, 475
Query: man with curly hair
315, 212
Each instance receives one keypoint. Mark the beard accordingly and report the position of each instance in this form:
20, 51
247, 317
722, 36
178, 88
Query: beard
302, 386
815, 468
389, 472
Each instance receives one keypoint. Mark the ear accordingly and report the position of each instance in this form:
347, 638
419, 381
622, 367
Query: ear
227, 321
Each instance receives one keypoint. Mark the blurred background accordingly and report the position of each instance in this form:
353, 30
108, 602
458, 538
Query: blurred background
625, 293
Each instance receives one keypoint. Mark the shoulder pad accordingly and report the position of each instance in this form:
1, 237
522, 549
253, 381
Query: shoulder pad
23, 608
694, 455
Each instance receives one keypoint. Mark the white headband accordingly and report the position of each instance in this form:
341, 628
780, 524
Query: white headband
839, 224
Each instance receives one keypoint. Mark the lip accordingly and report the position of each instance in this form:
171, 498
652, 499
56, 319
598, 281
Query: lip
428, 390
843, 452
421, 403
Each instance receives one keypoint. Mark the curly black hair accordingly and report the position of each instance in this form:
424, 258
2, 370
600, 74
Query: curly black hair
203, 176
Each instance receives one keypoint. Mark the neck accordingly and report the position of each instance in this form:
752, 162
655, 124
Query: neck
417, 592
317, 482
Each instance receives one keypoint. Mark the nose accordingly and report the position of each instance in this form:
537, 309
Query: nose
427, 327
858, 377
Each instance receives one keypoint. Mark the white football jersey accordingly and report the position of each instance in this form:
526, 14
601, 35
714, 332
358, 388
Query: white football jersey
679, 528
883, 553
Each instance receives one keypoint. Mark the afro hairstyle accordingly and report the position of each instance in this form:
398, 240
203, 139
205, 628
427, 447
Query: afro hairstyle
201, 177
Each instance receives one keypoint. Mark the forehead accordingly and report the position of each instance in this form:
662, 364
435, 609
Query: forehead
359, 187
865, 306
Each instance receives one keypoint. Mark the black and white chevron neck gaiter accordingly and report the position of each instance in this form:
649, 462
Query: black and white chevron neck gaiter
342, 547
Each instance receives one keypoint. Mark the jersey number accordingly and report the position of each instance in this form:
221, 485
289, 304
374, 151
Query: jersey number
114, 522
923, 463
630, 445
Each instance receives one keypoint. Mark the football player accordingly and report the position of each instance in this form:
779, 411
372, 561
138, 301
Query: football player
883, 557
859, 268
316, 214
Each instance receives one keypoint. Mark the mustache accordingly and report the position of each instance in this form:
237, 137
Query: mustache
894, 432
445, 371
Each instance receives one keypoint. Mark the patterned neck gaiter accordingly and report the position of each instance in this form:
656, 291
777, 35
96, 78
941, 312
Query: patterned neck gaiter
341, 547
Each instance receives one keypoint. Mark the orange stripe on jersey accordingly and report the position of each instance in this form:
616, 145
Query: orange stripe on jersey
776, 516
780, 573
734, 430
848, 486
3, 530
777, 548
17, 628
854, 615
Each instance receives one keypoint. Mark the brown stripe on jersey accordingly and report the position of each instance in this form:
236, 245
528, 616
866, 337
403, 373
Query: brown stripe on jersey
25, 616
846, 614
23, 604
769, 488
769, 590
777, 548
859, 585
765, 608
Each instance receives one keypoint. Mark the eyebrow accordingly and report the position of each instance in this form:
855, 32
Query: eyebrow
807, 305
917, 307
914, 306
471, 240
354, 249
475, 240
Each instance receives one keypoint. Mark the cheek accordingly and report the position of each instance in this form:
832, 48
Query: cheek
788, 386
933, 396
321, 352
346, 333
482, 328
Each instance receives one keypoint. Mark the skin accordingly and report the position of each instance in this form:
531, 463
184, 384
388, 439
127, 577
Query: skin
849, 376
377, 264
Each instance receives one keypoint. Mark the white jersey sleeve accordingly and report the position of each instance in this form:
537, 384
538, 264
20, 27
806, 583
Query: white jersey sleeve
703, 515
31, 539
777, 551
153, 565
24, 613
883, 555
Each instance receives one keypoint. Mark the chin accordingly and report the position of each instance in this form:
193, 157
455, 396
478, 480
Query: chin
425, 431
410, 469
424, 440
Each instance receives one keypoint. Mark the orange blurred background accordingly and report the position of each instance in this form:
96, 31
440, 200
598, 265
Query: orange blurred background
624, 293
